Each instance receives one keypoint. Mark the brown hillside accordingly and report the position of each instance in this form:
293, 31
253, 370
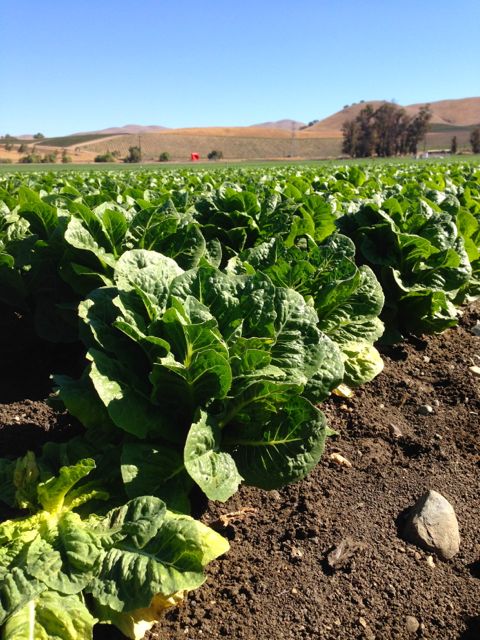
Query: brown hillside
287, 125
128, 128
465, 111
334, 122
236, 132
251, 144
462, 112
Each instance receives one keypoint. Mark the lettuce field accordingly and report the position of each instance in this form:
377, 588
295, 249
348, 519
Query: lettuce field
207, 338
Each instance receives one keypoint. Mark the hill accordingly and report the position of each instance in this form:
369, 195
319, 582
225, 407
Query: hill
465, 111
127, 128
242, 143
286, 125
268, 140
456, 113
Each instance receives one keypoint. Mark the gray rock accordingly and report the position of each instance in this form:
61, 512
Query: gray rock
412, 624
425, 409
432, 525
476, 329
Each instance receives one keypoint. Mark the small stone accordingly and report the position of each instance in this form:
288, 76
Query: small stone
425, 409
426, 359
363, 622
476, 329
412, 624
432, 525
294, 591
430, 562
436, 402
437, 436
475, 370
275, 495
296, 554
395, 431
340, 460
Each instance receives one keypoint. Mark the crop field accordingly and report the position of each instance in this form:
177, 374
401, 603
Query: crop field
225, 388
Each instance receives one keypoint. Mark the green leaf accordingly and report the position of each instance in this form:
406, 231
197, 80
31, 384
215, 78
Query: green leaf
279, 449
127, 407
16, 589
65, 562
51, 616
156, 471
80, 238
362, 363
166, 558
212, 469
52, 492
149, 271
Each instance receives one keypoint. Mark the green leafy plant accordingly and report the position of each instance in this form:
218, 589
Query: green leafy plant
63, 568
218, 373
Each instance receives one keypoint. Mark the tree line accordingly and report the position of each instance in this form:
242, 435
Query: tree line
386, 131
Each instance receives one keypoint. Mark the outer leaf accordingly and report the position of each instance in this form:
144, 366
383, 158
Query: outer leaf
362, 363
135, 568
149, 271
157, 471
16, 589
127, 407
212, 469
51, 616
282, 449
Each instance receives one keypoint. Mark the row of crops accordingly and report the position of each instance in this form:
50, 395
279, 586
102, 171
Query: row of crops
217, 311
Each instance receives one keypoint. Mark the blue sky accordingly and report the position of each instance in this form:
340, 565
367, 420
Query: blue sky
76, 66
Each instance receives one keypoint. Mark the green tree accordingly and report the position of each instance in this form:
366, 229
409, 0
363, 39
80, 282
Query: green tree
105, 157
65, 157
134, 155
164, 156
23, 148
384, 132
475, 140
38, 136
215, 155
418, 128
31, 158
49, 157
453, 146
350, 130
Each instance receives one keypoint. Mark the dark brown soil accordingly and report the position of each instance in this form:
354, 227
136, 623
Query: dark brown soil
276, 582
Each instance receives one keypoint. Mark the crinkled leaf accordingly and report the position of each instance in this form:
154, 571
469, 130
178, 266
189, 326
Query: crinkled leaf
51, 616
212, 469
157, 471
280, 449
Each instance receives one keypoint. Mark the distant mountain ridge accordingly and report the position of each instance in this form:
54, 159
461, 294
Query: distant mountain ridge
285, 125
127, 128
456, 112
447, 116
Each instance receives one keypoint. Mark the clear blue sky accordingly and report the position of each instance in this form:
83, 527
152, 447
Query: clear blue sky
70, 66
